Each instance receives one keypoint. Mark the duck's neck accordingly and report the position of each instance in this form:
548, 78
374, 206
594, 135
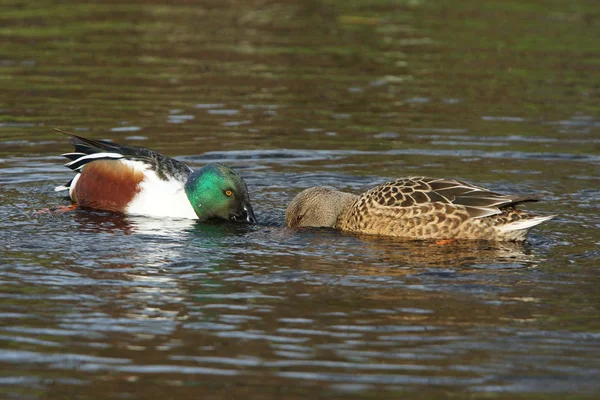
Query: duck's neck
341, 204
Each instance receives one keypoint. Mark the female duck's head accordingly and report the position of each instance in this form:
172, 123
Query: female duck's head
217, 191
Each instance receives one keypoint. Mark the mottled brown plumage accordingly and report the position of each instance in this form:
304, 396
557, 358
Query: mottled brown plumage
416, 208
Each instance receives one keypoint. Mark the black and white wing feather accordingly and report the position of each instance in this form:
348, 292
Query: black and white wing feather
88, 150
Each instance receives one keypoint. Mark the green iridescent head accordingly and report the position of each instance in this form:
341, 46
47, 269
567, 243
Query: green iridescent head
217, 191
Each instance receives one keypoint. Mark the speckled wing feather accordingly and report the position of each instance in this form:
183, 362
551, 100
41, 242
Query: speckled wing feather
87, 150
417, 191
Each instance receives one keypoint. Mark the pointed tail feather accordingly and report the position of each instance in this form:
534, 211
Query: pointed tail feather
524, 199
524, 224
89, 146
65, 187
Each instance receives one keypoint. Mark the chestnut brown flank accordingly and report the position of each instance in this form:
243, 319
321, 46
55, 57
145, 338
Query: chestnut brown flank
107, 185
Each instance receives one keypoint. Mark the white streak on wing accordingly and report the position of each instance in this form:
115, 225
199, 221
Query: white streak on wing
524, 224
91, 157
159, 198
73, 154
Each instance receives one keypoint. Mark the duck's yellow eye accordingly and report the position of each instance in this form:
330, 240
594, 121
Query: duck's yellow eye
228, 193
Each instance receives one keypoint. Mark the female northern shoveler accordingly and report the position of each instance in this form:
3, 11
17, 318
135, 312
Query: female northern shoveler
135, 180
417, 208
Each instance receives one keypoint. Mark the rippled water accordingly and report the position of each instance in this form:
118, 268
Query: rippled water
296, 94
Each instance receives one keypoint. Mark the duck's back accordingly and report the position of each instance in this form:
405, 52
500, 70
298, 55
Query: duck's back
430, 208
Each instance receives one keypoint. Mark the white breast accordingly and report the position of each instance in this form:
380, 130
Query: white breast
159, 198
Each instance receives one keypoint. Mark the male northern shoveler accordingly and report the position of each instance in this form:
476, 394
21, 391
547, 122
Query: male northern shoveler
136, 180
417, 208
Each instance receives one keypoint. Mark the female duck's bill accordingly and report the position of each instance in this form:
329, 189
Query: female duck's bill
136, 180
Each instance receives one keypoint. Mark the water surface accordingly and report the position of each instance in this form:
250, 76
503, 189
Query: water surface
296, 94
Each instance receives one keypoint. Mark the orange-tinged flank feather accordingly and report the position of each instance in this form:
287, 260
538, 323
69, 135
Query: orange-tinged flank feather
107, 185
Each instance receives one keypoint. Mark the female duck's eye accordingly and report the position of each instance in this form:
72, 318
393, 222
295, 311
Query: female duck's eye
228, 193
299, 217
